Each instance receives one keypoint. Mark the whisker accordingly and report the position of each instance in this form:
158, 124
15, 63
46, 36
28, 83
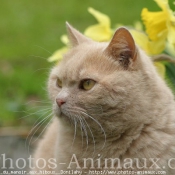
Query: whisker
39, 119
83, 122
42, 69
81, 127
94, 109
36, 56
87, 139
75, 131
36, 107
37, 112
40, 123
99, 125
91, 134
43, 129
35, 127
43, 49
37, 101
30, 141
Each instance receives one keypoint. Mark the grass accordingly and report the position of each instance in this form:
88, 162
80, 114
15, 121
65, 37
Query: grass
30, 32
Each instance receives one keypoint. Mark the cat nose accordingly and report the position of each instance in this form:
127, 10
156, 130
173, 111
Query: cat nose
60, 102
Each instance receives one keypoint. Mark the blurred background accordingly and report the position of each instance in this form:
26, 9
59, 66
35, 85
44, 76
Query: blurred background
29, 33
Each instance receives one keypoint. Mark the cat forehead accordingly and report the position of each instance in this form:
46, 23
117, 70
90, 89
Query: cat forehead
85, 61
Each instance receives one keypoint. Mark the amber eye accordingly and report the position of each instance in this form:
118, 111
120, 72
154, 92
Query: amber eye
87, 84
59, 83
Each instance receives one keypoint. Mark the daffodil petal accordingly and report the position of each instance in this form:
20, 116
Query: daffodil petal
64, 39
155, 23
150, 47
163, 4
170, 49
156, 47
160, 69
141, 39
99, 32
118, 25
100, 17
138, 25
171, 34
58, 55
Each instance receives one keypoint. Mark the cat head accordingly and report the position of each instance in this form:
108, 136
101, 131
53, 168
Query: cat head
100, 81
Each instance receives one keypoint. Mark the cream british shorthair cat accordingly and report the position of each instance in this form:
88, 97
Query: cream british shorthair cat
113, 113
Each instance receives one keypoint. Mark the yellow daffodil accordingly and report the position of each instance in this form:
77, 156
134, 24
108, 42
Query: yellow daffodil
101, 31
160, 25
98, 32
138, 25
150, 47
58, 55
160, 33
160, 68
170, 49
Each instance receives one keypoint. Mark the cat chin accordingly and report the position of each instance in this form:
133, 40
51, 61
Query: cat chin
61, 115
59, 112
56, 111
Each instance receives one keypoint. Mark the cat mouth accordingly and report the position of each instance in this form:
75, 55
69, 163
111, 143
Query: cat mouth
62, 114
66, 114
71, 114
74, 113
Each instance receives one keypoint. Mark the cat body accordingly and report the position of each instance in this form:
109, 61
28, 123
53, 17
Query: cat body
112, 110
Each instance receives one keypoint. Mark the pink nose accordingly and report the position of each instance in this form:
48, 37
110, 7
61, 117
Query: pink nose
60, 102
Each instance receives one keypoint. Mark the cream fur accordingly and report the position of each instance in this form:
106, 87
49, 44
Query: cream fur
132, 104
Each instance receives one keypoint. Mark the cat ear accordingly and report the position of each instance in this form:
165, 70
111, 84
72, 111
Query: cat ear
75, 37
122, 47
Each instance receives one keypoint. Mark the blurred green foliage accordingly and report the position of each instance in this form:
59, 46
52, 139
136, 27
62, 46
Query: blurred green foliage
30, 32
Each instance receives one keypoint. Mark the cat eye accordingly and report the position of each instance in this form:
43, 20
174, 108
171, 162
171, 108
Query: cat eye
59, 83
87, 84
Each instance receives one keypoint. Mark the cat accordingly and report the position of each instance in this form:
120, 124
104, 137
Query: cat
112, 111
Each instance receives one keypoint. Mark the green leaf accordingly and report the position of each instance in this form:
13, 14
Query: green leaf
170, 75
